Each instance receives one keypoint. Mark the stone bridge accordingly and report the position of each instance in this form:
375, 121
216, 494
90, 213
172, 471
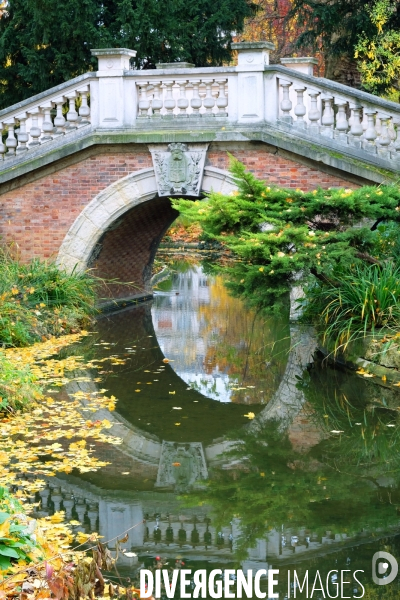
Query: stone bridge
89, 166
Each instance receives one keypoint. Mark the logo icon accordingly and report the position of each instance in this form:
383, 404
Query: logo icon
384, 568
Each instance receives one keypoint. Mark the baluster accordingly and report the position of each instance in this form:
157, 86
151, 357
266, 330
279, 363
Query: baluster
300, 109
84, 110
378, 125
222, 100
286, 104
56, 498
169, 102
72, 115
11, 141
209, 101
314, 114
342, 124
80, 507
59, 120
144, 102
22, 134
396, 142
68, 503
182, 102
356, 128
2, 145
35, 132
370, 133
364, 121
93, 514
47, 125
328, 117
384, 139
196, 101
156, 103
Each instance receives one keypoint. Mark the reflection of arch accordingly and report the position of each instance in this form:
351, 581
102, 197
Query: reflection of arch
113, 202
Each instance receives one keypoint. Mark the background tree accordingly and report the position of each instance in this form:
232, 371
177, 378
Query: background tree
337, 26
275, 21
379, 56
46, 42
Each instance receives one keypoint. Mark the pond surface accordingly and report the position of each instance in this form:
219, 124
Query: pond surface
239, 449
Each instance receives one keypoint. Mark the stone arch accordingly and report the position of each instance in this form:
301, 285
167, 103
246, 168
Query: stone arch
111, 205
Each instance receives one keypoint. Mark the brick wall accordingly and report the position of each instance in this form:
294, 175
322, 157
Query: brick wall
36, 216
274, 168
127, 251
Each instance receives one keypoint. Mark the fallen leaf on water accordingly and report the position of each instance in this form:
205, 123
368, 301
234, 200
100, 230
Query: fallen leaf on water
250, 415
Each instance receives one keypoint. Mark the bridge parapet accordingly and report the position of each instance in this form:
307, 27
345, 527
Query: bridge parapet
252, 99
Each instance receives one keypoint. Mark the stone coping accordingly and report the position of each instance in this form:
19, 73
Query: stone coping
252, 46
362, 169
113, 52
301, 60
175, 65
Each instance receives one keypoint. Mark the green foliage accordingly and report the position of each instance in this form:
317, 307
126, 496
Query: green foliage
18, 386
38, 299
379, 54
365, 29
278, 234
335, 24
363, 299
46, 42
16, 543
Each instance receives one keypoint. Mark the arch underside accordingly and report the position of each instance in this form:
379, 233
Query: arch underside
118, 233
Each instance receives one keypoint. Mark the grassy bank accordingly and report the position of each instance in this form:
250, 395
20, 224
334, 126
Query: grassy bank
360, 300
38, 300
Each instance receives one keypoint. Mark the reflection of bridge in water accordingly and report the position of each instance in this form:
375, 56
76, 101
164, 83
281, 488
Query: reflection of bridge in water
184, 465
165, 527
158, 521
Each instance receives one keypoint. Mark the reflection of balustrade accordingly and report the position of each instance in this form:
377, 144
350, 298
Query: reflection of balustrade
198, 532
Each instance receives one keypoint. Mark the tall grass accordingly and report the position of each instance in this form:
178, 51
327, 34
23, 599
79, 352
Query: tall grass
362, 300
18, 387
38, 300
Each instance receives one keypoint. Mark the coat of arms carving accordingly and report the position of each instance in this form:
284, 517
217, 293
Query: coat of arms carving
179, 168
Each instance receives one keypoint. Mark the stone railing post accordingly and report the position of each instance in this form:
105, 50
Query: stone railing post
113, 99
252, 57
302, 64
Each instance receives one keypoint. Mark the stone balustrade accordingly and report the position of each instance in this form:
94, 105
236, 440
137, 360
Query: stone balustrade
353, 119
182, 97
252, 99
32, 123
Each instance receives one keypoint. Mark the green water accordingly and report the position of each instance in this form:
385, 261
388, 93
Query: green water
242, 450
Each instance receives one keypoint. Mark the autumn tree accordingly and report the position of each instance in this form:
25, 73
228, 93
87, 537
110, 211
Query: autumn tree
338, 26
379, 55
275, 21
